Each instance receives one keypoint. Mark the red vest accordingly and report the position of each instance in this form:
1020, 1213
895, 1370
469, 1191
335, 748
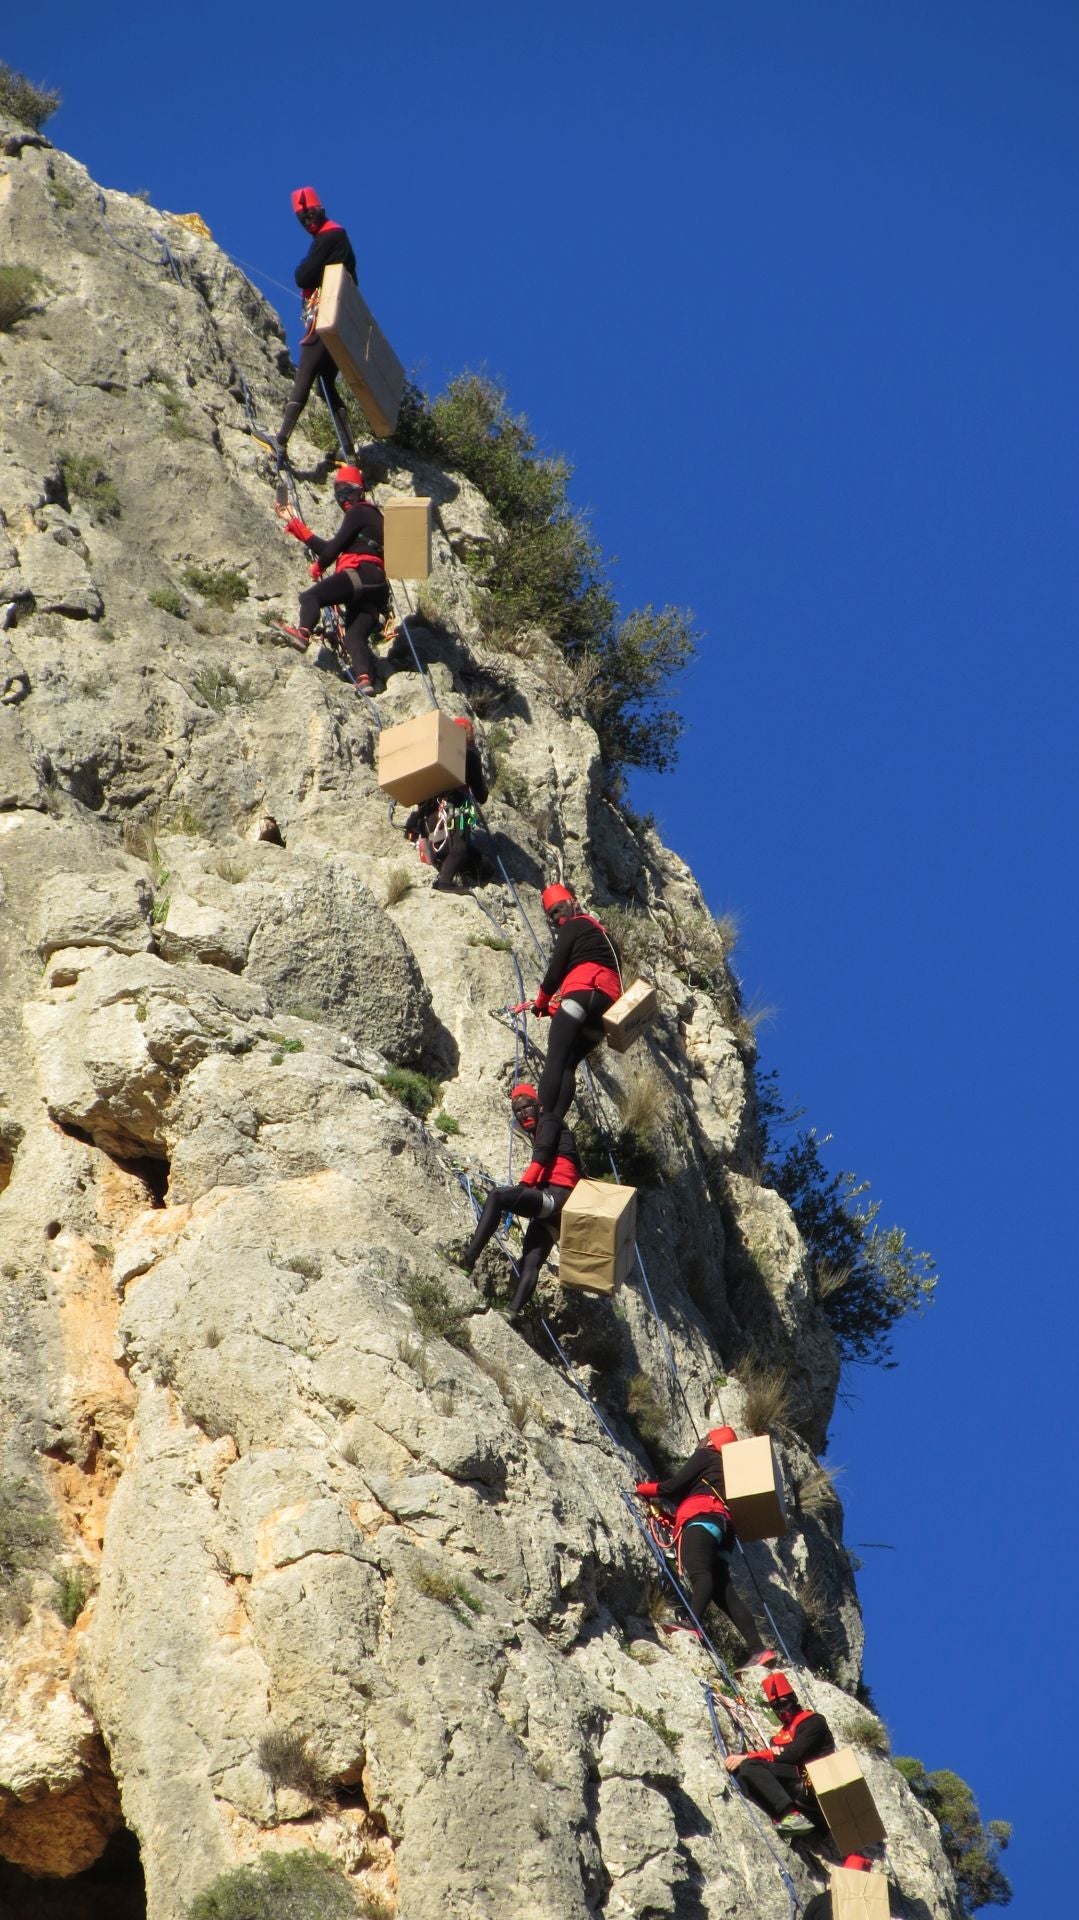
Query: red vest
786, 1734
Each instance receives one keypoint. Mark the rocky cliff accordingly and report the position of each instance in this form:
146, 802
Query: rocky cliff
302, 1544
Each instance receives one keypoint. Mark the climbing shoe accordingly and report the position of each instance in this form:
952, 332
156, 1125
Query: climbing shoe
794, 1822
764, 1658
297, 637
681, 1626
363, 685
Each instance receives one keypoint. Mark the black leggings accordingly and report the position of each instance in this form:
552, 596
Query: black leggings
316, 362
706, 1575
449, 861
361, 607
571, 1041
774, 1785
540, 1206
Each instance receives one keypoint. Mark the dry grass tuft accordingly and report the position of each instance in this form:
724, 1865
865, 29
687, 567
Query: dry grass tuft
767, 1397
817, 1491
644, 1103
399, 882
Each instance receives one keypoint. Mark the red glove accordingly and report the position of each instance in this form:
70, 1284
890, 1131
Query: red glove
647, 1489
315, 569
541, 1003
298, 530
534, 1174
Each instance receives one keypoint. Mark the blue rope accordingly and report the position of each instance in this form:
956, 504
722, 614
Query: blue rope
792, 1896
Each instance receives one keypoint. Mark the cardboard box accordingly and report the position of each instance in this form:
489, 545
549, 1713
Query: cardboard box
753, 1489
845, 1800
365, 357
597, 1236
421, 757
630, 1015
406, 528
858, 1896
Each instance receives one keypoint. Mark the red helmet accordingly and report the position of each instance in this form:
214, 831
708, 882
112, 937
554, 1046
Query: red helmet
349, 477
857, 1863
557, 896
777, 1687
523, 1091
306, 200
720, 1436
462, 720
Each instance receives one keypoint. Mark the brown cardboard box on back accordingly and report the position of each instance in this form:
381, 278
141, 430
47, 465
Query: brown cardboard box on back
858, 1896
630, 1015
753, 1489
406, 526
845, 1800
597, 1236
421, 757
364, 355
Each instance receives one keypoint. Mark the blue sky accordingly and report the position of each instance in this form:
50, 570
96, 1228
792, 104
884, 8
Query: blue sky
795, 288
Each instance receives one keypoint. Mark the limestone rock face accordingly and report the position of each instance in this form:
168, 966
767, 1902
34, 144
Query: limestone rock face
308, 1544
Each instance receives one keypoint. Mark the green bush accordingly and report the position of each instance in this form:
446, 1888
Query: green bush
219, 687
27, 1529
437, 1585
169, 601
221, 586
549, 572
177, 419
434, 1312
72, 1594
971, 1846
446, 1124
301, 1885
416, 1091
646, 1411
85, 480
23, 101
865, 1277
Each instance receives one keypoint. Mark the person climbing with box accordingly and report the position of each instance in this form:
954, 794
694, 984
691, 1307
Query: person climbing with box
539, 1197
357, 584
584, 973
705, 1539
775, 1777
330, 245
442, 827
822, 1905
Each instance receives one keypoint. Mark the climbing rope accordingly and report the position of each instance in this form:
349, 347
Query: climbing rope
166, 257
795, 1905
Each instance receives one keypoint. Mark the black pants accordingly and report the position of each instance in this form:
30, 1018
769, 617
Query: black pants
773, 1785
361, 606
451, 858
316, 362
540, 1206
571, 1040
707, 1576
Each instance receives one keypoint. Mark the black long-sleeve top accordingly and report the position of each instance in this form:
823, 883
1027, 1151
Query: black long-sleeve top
812, 1739
579, 941
330, 246
706, 1465
360, 531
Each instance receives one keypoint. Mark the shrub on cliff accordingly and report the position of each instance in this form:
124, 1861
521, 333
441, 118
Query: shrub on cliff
300, 1885
865, 1277
549, 572
19, 288
972, 1847
26, 103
